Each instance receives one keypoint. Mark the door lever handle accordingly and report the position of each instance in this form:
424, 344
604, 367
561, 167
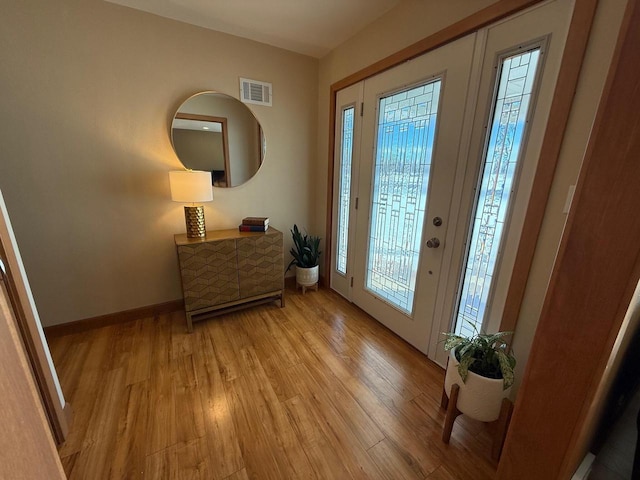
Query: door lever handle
433, 242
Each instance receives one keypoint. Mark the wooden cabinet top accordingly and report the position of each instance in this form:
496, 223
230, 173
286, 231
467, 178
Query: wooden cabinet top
215, 235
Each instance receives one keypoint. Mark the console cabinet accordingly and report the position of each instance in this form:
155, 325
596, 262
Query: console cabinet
228, 269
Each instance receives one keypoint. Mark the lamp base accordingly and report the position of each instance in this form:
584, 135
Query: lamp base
194, 218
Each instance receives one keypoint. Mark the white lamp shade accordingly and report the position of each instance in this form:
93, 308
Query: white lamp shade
190, 186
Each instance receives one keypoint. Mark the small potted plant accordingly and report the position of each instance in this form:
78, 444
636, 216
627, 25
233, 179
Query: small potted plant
305, 252
482, 367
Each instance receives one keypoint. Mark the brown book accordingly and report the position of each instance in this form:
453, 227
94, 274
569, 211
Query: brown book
253, 228
259, 221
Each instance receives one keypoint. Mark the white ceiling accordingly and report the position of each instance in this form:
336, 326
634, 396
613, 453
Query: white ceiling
310, 27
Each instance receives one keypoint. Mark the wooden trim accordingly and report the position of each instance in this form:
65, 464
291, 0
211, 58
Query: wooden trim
34, 349
470, 24
328, 236
592, 283
113, 318
225, 147
68, 413
225, 138
200, 118
28, 449
572, 59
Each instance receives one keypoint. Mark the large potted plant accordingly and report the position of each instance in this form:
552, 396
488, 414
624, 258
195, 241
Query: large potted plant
305, 252
482, 367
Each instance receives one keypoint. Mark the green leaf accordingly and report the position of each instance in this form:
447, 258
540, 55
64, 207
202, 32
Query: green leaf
473, 326
305, 251
467, 351
453, 341
463, 367
506, 368
493, 338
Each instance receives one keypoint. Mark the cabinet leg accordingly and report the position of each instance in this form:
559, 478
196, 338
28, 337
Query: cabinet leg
282, 300
189, 323
452, 413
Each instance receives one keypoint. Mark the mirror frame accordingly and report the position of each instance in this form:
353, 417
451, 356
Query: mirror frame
225, 181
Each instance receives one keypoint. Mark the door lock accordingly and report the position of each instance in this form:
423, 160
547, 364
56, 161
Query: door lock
437, 221
433, 242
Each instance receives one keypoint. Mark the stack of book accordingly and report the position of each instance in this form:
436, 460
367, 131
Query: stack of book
254, 224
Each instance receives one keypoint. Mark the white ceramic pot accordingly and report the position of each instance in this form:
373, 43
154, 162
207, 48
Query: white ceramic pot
307, 277
480, 397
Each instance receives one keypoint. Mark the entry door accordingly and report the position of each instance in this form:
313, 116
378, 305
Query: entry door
411, 134
416, 156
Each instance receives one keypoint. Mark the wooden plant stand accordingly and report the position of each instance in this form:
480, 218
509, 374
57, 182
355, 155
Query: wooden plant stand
307, 287
500, 425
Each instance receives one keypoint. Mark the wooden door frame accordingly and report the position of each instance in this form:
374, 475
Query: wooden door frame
572, 59
591, 286
28, 449
27, 326
225, 138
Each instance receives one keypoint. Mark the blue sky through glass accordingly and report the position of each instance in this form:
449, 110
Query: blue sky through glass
405, 137
512, 101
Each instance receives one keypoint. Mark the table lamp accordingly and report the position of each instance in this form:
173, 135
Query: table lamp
191, 186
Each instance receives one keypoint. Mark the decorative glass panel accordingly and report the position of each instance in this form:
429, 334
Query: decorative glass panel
344, 191
517, 75
406, 132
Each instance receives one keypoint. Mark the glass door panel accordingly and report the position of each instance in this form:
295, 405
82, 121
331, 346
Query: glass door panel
402, 167
344, 191
506, 137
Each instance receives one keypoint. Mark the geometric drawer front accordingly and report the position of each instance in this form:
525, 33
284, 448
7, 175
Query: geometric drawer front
228, 269
209, 273
260, 264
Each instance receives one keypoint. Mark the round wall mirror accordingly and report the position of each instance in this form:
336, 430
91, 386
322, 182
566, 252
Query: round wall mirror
217, 133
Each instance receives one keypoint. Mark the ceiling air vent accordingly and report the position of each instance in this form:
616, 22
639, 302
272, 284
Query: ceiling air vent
253, 91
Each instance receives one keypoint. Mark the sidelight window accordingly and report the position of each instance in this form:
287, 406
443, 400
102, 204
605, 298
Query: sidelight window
508, 129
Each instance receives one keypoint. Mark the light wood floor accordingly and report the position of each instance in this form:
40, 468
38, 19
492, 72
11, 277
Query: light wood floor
314, 390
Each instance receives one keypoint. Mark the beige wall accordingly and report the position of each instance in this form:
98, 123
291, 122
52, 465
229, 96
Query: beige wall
412, 21
89, 89
199, 149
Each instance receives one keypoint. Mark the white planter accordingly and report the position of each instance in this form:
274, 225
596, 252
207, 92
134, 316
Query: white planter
479, 398
307, 277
